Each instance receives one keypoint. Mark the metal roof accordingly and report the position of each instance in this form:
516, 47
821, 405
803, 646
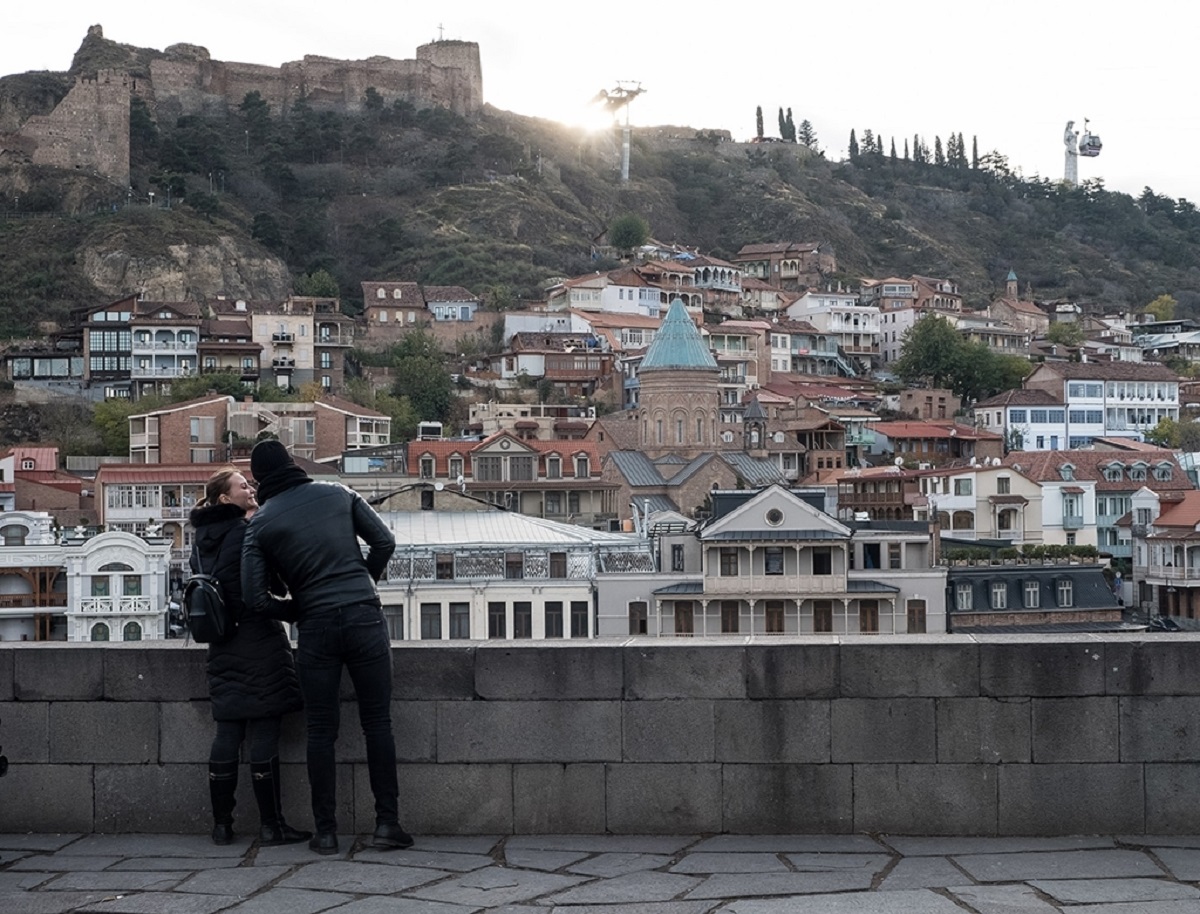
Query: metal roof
460, 530
757, 471
780, 536
685, 587
637, 468
678, 344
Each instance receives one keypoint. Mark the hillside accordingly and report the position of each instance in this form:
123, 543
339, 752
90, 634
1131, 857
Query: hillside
501, 203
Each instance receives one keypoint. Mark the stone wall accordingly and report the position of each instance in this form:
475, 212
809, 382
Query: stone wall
88, 130
937, 735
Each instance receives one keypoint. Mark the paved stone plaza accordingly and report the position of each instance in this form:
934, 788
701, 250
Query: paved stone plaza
600, 874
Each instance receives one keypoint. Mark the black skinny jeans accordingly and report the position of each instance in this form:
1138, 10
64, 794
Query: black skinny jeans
355, 637
263, 744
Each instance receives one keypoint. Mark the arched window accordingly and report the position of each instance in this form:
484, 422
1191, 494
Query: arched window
99, 632
132, 632
381, 293
13, 535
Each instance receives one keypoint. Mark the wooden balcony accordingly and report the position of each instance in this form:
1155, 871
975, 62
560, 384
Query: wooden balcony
796, 584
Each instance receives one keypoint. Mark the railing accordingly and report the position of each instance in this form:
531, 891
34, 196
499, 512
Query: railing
115, 605
32, 601
798, 584
1072, 521
159, 346
283, 337
139, 372
1173, 573
143, 441
283, 363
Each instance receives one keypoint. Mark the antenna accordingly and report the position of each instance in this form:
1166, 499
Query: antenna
621, 97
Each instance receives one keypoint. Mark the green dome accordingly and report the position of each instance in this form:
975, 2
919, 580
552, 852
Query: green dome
678, 344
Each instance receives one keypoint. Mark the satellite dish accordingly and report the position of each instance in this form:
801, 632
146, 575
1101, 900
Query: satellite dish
899, 461
460, 479
438, 486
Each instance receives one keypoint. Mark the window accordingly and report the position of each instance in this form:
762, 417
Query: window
894, 556
326, 360
554, 467
1066, 593
962, 487
582, 467
13, 535
1004, 485
1016, 415
431, 621
456, 467
1162, 472
868, 615
962, 598
1038, 416
729, 562
684, 617
131, 585
497, 620
99, 632
915, 611
774, 617
1067, 471
1112, 472
677, 557
822, 560
999, 595
514, 565
822, 615
131, 632
99, 586
522, 619
579, 619
444, 566
773, 560
1033, 592
729, 617
553, 613
870, 552
553, 503
202, 430
460, 621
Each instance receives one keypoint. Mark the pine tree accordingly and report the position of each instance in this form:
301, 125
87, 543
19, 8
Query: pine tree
868, 141
906, 149
791, 127
893, 149
939, 157
853, 145
758, 120
962, 151
918, 156
975, 152
807, 135
782, 125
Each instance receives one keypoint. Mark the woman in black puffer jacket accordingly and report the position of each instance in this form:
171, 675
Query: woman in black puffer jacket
251, 678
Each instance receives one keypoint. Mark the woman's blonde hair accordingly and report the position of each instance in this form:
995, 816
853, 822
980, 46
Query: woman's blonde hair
218, 485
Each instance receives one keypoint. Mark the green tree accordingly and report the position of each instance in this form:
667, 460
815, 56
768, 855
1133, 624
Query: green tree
628, 232
975, 153
791, 127
1183, 434
807, 135
782, 125
111, 420
758, 122
372, 100
1065, 333
1162, 308
318, 284
256, 114
193, 387
421, 376
930, 353
853, 148
939, 157
265, 230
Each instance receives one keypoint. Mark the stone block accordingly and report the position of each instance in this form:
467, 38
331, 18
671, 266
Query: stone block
1158, 667
25, 731
6, 672
787, 799
1075, 730
104, 731
433, 672
144, 672
1071, 799
685, 671
925, 799
874, 670
1172, 799
186, 731
58, 672
552, 672
558, 799
663, 799
1160, 729
528, 731
46, 799
413, 728
983, 730
883, 730
1039, 669
668, 731
447, 799
792, 670
161, 798
773, 731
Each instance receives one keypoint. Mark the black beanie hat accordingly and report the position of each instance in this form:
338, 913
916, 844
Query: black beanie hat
268, 456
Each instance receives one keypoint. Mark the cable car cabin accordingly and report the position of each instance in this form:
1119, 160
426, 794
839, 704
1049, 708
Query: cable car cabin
1090, 145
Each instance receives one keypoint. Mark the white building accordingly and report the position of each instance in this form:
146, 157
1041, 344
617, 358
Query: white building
855, 326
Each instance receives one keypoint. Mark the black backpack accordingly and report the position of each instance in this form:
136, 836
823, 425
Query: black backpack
209, 619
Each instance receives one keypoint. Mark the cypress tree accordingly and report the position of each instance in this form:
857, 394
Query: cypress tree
853, 145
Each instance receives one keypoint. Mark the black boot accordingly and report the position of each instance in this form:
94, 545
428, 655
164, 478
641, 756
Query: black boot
264, 777
222, 786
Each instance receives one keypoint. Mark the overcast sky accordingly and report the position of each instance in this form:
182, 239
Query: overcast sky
1010, 74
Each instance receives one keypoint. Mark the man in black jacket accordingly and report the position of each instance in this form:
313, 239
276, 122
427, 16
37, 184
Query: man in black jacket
306, 534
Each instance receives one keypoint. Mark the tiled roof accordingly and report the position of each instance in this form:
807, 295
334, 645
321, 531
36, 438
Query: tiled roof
347, 406
931, 430
1185, 513
678, 344
1025, 307
111, 474
448, 293
1109, 371
1021, 397
777, 247
410, 294
1045, 466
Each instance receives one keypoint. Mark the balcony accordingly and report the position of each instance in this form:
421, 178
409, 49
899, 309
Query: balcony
283, 362
801, 585
1174, 573
161, 372
32, 602
110, 605
1072, 521
283, 338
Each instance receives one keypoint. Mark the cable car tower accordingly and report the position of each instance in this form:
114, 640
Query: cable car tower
1088, 145
621, 97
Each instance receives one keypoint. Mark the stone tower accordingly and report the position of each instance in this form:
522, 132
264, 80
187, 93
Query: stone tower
678, 401
88, 130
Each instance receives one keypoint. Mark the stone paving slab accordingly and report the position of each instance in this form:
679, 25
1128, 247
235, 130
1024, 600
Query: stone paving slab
628, 889
290, 901
7, 857
437, 860
160, 903
921, 873
608, 865
1137, 907
798, 844
838, 863
379, 905
45, 903
54, 863
457, 844
641, 907
189, 846
497, 886
727, 885
544, 860
199, 864
299, 853
916, 901
1160, 840
597, 844
20, 882
1183, 863
944, 847
1093, 891
243, 881
359, 878
120, 882
731, 863
1099, 864
1003, 899
36, 842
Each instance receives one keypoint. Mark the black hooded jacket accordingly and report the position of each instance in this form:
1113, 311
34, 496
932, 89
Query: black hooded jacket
251, 675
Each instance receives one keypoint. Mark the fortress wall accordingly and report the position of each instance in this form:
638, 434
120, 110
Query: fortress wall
89, 130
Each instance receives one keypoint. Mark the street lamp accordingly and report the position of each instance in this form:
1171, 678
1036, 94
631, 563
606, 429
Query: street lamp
152, 199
